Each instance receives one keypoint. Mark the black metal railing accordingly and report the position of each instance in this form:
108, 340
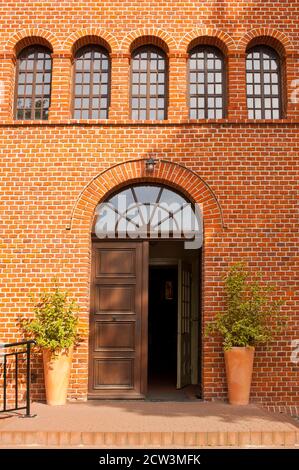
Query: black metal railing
17, 354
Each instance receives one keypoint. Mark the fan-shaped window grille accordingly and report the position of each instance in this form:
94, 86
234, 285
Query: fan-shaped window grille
148, 211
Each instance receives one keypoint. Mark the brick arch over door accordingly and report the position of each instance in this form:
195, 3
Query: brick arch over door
166, 172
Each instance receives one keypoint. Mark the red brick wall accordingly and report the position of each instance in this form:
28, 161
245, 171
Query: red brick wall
250, 166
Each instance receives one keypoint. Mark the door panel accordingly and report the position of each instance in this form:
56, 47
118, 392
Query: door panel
120, 335
113, 374
118, 320
184, 325
116, 261
116, 298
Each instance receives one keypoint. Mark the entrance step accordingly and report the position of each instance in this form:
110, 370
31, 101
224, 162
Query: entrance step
144, 425
147, 440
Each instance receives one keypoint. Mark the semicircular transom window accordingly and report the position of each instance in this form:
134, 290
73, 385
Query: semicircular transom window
148, 211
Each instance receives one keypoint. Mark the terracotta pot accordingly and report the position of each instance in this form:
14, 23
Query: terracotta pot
57, 373
239, 364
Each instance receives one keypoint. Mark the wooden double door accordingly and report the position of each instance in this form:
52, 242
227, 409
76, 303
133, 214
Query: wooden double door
118, 341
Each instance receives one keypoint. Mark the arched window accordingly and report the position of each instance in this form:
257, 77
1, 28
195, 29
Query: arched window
33, 83
206, 83
91, 83
263, 83
149, 84
148, 211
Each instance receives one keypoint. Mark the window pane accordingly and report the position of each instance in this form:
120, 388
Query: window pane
201, 103
142, 103
20, 114
161, 115
27, 114
38, 114
275, 114
77, 114
104, 90
29, 78
152, 114
153, 103
142, 114
103, 113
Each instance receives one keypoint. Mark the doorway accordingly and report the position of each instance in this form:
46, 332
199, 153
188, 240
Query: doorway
145, 320
174, 339
162, 330
145, 293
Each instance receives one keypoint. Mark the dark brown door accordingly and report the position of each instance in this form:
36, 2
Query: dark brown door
118, 320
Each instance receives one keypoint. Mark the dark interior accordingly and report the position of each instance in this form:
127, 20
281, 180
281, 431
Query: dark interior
162, 334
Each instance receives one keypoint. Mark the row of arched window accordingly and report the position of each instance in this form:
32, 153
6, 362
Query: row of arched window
207, 83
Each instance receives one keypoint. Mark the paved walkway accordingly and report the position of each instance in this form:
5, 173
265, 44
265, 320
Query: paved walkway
149, 424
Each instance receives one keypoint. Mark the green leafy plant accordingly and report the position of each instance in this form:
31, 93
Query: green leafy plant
55, 324
251, 315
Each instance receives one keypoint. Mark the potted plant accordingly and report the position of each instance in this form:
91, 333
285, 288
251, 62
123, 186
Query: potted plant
55, 330
251, 316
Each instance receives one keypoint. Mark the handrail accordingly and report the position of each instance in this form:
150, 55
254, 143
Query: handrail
16, 355
12, 345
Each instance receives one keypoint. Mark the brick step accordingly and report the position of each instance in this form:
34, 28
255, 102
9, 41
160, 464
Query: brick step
150, 439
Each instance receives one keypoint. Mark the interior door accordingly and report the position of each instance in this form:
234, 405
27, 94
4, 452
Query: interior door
118, 320
184, 324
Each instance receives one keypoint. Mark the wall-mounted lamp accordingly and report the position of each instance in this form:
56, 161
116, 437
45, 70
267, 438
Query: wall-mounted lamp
150, 164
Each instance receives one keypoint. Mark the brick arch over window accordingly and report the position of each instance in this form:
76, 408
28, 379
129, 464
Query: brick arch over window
211, 37
155, 36
81, 38
267, 37
29, 37
169, 173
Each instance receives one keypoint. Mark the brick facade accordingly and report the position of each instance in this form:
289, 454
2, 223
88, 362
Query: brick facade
244, 172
